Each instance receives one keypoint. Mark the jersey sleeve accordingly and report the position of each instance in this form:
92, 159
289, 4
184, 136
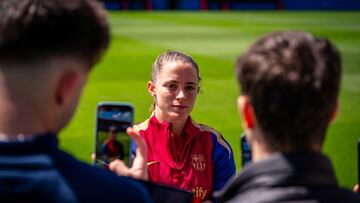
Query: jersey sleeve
103, 149
223, 160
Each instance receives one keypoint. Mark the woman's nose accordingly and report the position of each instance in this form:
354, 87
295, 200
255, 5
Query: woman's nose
181, 94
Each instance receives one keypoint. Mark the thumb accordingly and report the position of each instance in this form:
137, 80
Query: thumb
119, 167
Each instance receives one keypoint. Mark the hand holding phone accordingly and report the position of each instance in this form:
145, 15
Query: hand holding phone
111, 140
139, 168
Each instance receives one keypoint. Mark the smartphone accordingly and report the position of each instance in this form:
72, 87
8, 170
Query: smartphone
111, 140
245, 150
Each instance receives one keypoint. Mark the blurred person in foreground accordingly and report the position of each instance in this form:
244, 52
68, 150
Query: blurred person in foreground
289, 95
47, 49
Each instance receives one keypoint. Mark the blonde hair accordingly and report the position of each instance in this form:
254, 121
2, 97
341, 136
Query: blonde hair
168, 57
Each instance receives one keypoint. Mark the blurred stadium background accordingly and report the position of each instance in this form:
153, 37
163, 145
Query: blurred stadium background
231, 4
215, 36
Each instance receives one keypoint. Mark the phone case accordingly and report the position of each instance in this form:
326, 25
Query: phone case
111, 140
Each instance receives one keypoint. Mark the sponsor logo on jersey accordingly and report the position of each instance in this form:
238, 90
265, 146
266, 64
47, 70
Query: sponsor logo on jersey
199, 192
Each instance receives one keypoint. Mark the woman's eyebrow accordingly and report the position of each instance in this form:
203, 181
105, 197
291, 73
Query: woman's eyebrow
191, 83
176, 81
171, 81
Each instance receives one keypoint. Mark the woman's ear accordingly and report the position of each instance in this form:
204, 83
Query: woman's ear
66, 87
151, 88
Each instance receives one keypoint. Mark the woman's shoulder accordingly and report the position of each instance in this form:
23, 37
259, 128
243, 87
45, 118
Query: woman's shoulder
205, 128
217, 137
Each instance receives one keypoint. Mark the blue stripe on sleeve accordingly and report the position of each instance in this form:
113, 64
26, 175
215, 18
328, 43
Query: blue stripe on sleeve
224, 165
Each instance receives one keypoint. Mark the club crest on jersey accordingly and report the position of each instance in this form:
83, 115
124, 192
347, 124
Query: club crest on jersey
198, 162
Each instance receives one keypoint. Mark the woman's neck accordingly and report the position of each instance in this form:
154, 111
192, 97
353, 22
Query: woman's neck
177, 124
178, 128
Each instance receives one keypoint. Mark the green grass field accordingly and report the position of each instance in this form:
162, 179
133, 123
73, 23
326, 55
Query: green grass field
215, 39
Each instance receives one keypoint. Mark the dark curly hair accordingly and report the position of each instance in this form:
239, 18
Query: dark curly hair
31, 30
292, 80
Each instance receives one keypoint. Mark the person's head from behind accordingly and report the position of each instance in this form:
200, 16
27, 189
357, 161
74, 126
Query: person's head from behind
174, 85
47, 48
289, 87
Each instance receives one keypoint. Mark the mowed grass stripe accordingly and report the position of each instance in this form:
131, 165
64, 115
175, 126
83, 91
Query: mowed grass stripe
224, 43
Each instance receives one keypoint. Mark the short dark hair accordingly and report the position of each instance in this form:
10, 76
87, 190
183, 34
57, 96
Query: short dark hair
292, 80
33, 30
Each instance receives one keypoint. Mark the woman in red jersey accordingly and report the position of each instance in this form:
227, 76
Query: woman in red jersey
181, 152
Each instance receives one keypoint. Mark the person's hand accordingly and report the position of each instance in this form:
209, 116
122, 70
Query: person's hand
139, 168
356, 188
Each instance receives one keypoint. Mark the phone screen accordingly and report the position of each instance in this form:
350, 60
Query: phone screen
111, 140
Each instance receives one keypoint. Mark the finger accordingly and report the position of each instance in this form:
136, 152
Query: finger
356, 188
93, 157
139, 167
119, 167
140, 143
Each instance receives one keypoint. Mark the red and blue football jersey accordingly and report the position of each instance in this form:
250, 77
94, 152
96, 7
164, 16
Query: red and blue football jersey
201, 161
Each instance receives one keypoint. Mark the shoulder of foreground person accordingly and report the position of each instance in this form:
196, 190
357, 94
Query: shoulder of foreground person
293, 177
296, 194
91, 184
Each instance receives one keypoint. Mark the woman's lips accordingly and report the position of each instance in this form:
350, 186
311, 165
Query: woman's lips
179, 106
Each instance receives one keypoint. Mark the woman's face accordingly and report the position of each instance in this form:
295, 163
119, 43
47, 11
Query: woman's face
174, 91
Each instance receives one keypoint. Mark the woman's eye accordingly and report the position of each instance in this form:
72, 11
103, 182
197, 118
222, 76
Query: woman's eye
190, 88
172, 86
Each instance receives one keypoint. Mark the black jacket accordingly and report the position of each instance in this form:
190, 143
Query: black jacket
38, 171
297, 177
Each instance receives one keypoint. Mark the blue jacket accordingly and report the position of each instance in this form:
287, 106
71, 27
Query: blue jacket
38, 171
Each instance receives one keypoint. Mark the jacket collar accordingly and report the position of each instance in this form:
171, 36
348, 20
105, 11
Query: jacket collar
42, 143
165, 135
300, 168
191, 130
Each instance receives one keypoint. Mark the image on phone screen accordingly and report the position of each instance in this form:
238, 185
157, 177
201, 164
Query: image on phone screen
111, 140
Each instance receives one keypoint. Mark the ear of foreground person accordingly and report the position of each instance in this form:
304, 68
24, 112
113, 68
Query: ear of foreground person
289, 94
47, 49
